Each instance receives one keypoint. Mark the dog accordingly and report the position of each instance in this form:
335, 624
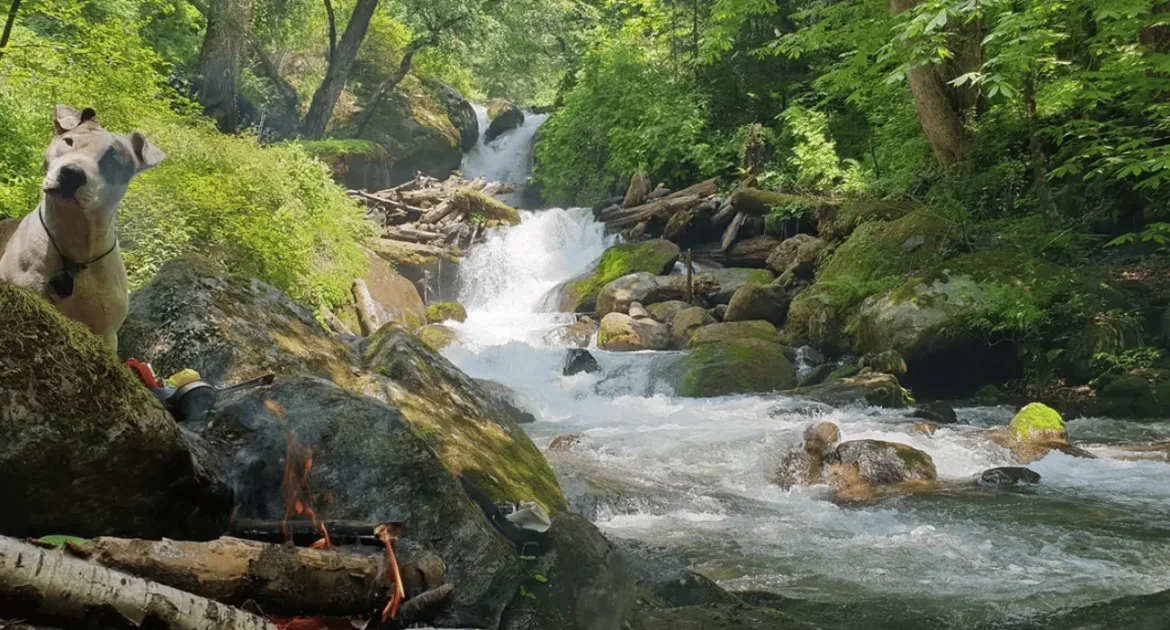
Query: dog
67, 249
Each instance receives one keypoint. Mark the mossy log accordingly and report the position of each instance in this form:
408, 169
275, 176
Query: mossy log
471, 202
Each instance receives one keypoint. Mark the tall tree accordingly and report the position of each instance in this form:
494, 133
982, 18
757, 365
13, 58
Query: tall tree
8, 26
325, 98
224, 47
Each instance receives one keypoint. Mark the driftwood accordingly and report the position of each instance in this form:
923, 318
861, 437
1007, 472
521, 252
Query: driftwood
439, 213
705, 188
364, 305
335, 324
408, 233
662, 209
732, 231
284, 580
49, 586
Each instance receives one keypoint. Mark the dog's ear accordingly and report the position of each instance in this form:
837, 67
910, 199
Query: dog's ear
148, 155
66, 118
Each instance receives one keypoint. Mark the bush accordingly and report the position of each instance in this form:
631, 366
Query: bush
271, 213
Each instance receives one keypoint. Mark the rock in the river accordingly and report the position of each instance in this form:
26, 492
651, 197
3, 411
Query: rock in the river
437, 336
580, 583
439, 312
642, 288
887, 362
508, 399
637, 311
817, 375
719, 617
623, 333
725, 282
461, 114
881, 390
1036, 430
565, 442
858, 468
752, 301
733, 358
396, 299
1009, 476
936, 412
375, 466
503, 116
805, 466
86, 448
655, 257
578, 360
228, 329
574, 335
665, 311
687, 322
796, 258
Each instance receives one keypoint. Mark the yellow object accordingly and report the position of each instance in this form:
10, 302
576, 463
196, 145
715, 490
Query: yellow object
182, 377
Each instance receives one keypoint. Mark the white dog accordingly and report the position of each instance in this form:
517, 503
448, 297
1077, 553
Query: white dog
67, 249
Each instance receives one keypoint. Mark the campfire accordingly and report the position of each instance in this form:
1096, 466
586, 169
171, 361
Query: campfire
297, 573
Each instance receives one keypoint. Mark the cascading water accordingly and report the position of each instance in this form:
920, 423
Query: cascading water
507, 158
691, 478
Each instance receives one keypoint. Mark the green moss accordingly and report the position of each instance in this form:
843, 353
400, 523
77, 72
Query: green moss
656, 257
837, 222
843, 372
436, 336
734, 333
721, 369
335, 147
439, 312
473, 202
915, 459
1036, 417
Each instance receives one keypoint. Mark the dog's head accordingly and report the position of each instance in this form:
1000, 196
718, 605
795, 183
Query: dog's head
90, 167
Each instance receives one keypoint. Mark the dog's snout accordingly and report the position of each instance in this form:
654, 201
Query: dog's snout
70, 179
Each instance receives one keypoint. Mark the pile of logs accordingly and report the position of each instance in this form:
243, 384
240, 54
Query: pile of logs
434, 214
727, 229
224, 584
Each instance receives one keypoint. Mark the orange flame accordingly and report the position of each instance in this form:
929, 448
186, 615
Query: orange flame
298, 461
388, 538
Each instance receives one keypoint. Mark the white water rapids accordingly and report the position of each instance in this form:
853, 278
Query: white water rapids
690, 478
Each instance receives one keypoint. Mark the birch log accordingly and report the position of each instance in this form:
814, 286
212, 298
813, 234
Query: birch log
366, 310
50, 586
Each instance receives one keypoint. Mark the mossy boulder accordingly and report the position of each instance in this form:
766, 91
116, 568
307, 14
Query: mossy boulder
437, 336
475, 436
424, 265
752, 301
642, 288
656, 257
837, 222
87, 450
1140, 394
477, 204
414, 129
503, 116
687, 322
396, 299
735, 358
665, 311
734, 332
229, 329
876, 389
461, 113
356, 164
723, 283
796, 258
440, 312
622, 333
860, 469
1037, 421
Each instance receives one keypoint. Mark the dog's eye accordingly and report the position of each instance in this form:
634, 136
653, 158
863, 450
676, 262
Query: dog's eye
69, 141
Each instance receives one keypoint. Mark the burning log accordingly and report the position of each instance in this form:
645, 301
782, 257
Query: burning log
50, 586
283, 580
304, 533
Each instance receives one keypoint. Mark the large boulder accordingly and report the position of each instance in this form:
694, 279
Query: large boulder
860, 468
461, 114
374, 465
193, 315
502, 116
687, 322
87, 450
433, 267
356, 164
656, 257
874, 388
580, 583
396, 299
1035, 431
725, 282
646, 289
735, 358
623, 333
416, 132
752, 301
796, 258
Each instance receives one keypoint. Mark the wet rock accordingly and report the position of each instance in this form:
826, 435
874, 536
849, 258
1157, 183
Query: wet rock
811, 354
637, 311
574, 335
228, 329
1036, 430
796, 258
733, 332
462, 116
859, 468
437, 336
623, 333
503, 116
368, 457
936, 412
656, 257
578, 360
816, 376
1009, 476
396, 299
804, 466
641, 288
755, 301
719, 617
733, 358
687, 322
665, 311
566, 442
724, 283
888, 362
881, 390
719, 312
925, 428
86, 448
580, 583
508, 399
688, 588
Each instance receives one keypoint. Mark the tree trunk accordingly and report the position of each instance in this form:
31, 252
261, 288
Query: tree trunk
938, 112
50, 586
332, 29
8, 24
325, 98
228, 25
366, 310
391, 83
1036, 148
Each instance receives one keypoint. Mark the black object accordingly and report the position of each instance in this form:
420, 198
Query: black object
304, 533
579, 360
1009, 476
193, 401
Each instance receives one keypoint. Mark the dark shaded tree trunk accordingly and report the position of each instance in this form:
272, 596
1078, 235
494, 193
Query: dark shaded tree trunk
1036, 148
938, 112
224, 44
8, 24
390, 83
332, 29
325, 98
288, 118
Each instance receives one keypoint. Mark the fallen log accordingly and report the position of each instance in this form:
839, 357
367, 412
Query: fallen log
413, 235
732, 231
305, 533
283, 580
438, 213
49, 586
705, 188
661, 209
366, 311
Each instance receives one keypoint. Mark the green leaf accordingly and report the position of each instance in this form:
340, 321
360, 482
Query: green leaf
540, 578
58, 541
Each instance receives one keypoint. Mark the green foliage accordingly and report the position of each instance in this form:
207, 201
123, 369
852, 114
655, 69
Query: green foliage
271, 213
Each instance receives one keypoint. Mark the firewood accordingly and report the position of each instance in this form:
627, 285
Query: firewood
281, 579
732, 231
438, 213
305, 533
50, 586
366, 311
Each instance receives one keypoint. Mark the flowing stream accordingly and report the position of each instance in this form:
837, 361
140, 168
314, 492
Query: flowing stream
507, 158
689, 480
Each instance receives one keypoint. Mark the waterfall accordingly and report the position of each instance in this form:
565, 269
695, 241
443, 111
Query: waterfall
506, 159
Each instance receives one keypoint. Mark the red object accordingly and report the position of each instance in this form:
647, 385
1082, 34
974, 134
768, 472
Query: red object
313, 623
144, 372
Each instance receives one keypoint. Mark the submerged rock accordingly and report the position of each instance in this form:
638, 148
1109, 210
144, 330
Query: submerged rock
656, 257
1009, 476
86, 448
752, 301
623, 333
578, 360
